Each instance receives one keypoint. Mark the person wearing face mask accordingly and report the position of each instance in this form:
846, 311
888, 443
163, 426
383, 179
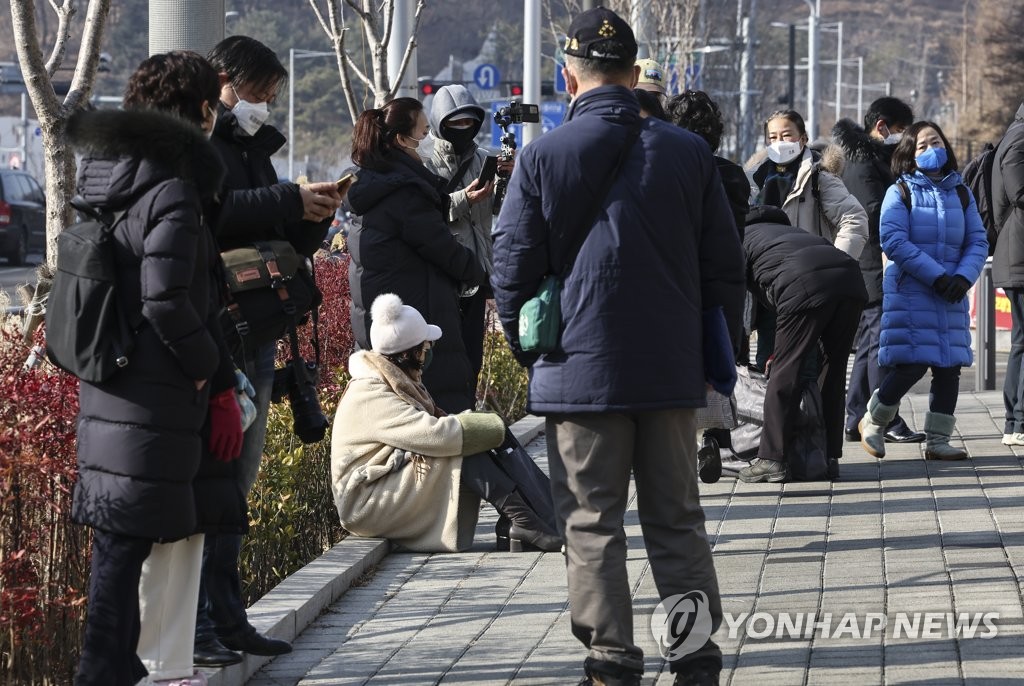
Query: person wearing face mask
936, 246
156, 441
867, 174
807, 186
255, 206
404, 469
404, 244
456, 119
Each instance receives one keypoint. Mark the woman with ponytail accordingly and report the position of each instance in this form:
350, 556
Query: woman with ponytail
403, 244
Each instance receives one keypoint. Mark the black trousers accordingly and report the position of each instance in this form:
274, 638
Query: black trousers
474, 310
831, 327
865, 374
112, 625
494, 477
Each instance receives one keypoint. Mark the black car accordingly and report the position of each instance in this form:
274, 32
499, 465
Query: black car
22, 216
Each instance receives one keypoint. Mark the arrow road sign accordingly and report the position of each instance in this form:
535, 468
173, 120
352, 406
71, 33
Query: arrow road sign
486, 76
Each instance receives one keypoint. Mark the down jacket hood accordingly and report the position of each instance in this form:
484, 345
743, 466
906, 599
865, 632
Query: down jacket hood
767, 214
451, 100
120, 145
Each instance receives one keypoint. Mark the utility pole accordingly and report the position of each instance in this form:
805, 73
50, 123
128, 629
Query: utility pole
401, 31
839, 71
812, 67
744, 147
195, 25
531, 63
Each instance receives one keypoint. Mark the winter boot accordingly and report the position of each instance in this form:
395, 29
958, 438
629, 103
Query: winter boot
527, 530
872, 426
938, 428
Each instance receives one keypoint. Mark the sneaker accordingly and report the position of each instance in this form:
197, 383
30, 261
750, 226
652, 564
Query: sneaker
1013, 439
699, 672
832, 472
602, 673
760, 470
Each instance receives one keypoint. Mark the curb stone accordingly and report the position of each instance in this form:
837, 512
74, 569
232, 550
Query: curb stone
293, 604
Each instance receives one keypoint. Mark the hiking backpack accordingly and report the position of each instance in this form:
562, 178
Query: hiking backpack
977, 176
87, 332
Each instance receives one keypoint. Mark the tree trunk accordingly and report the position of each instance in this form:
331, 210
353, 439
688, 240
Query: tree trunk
61, 170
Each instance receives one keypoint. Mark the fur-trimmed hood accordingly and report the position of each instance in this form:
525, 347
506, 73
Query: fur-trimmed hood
856, 143
828, 157
127, 152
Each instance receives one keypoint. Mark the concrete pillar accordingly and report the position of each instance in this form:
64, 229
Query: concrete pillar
195, 25
401, 29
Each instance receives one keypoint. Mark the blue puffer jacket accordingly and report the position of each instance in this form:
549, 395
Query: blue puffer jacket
935, 237
663, 247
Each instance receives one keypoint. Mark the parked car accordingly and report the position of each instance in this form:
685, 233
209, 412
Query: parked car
22, 216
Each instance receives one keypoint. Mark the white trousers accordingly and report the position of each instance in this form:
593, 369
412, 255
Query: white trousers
168, 597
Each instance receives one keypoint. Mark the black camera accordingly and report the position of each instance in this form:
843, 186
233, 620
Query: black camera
298, 380
514, 113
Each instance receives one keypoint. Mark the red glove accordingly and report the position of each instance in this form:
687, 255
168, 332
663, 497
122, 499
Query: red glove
225, 426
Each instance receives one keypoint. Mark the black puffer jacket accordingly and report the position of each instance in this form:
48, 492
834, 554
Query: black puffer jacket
737, 190
254, 205
867, 176
139, 442
1008, 203
790, 270
404, 246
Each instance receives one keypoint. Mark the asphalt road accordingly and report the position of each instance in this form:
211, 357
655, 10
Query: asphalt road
12, 277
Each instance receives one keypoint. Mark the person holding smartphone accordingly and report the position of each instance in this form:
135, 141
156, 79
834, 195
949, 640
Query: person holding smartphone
455, 121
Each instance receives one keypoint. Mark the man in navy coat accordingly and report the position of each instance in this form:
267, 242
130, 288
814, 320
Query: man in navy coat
620, 390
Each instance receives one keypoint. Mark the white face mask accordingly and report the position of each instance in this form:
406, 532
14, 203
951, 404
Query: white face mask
892, 139
784, 152
250, 115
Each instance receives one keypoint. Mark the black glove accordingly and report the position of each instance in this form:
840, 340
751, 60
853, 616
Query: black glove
941, 284
957, 289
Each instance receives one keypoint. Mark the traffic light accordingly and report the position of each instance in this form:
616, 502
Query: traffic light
429, 86
515, 89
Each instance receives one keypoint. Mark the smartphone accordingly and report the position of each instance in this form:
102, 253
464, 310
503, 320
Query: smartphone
490, 168
344, 182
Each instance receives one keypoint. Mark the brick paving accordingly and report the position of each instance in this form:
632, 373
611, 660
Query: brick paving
898, 535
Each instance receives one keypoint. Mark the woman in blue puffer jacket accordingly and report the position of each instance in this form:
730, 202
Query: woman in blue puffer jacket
935, 243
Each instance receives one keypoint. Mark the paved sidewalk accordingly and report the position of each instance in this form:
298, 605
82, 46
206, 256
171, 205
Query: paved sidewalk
899, 535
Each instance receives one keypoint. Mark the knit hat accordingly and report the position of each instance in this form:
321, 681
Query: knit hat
600, 34
652, 76
396, 327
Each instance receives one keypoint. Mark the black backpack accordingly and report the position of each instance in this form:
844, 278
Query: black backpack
87, 332
977, 176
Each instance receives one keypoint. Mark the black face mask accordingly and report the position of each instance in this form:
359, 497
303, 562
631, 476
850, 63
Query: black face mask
461, 139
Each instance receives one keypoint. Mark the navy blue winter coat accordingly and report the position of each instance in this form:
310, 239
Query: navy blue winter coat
663, 248
935, 237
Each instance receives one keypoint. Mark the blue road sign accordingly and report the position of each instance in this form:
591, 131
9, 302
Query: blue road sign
486, 76
560, 79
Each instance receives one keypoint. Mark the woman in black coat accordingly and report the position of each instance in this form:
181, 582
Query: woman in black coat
404, 246
139, 433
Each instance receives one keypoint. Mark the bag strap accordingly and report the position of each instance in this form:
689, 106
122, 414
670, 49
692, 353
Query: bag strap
581, 237
453, 182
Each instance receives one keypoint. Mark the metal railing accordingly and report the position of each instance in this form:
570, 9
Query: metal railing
985, 331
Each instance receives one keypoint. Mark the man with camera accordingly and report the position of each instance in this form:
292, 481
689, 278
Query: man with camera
638, 264
255, 207
456, 120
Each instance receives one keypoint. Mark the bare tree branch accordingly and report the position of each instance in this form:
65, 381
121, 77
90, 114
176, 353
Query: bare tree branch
320, 16
65, 11
88, 55
357, 9
346, 83
33, 69
389, 20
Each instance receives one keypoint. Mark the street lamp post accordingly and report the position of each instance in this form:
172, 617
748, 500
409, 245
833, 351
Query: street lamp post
812, 67
294, 53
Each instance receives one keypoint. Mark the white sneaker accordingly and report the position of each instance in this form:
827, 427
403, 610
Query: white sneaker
1013, 439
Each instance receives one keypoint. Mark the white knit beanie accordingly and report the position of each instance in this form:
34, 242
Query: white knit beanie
396, 327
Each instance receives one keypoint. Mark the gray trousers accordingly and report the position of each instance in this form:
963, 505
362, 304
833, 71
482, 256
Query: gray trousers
590, 458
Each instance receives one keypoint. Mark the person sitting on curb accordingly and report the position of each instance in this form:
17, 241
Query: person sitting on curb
817, 294
402, 469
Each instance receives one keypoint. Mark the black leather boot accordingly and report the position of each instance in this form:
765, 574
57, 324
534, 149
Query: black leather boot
527, 531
